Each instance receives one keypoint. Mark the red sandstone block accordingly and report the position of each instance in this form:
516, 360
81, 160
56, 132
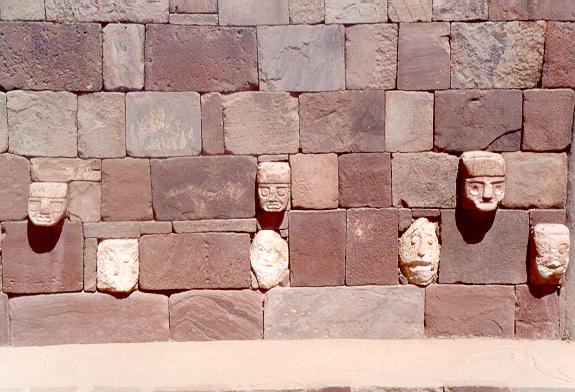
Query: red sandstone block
212, 124
531, 10
558, 69
14, 187
537, 315
4, 321
547, 216
364, 180
314, 181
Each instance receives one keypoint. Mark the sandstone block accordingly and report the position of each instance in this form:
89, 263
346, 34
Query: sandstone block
409, 10
153, 227
537, 312
314, 181
22, 10
212, 124
519, 48
65, 169
364, 180
123, 56
408, 121
458, 310
216, 225
317, 248
535, 180
162, 124
4, 321
547, 216
371, 56
14, 187
85, 201
39, 260
425, 180
194, 19
46, 116
352, 12
216, 58
195, 261
204, 188
107, 230
3, 123
346, 121
460, 10
269, 258
53, 57
467, 120
559, 55
253, 12
90, 264
301, 58
118, 265
423, 56
306, 11
531, 10
138, 11
194, 6
126, 190
88, 318
261, 123
373, 312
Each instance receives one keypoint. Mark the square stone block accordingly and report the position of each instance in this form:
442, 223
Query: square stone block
314, 181
364, 180
408, 121
123, 57
558, 70
85, 201
354, 12
409, 10
253, 12
449, 10
14, 187
537, 315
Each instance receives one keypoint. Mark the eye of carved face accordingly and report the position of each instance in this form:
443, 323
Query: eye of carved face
484, 193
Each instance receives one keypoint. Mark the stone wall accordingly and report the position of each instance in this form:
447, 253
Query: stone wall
157, 113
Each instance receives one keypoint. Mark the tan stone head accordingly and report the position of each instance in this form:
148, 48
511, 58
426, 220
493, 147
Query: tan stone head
419, 253
550, 253
274, 186
483, 180
47, 203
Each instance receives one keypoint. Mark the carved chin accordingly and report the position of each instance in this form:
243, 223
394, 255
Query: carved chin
272, 206
420, 275
485, 207
550, 275
45, 220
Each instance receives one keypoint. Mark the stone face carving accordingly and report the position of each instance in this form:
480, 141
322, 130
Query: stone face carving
419, 253
269, 258
550, 253
483, 180
274, 186
118, 265
47, 203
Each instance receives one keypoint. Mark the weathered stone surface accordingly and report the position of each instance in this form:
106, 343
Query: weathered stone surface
118, 265
423, 56
549, 254
153, 227
306, 11
194, 6
484, 250
22, 10
364, 180
352, 12
216, 58
3, 123
253, 12
547, 216
212, 124
548, 117
535, 180
531, 10
204, 188
301, 58
426, 180
14, 187
53, 57
123, 56
374, 312
4, 321
409, 10
317, 248
85, 201
419, 253
160, 124
408, 121
126, 190
347, 121
481, 181
88, 318
269, 258
519, 54
195, 261
508, 142
559, 55
65, 169
467, 120
102, 125
458, 310
138, 11
460, 10
314, 181
274, 186
216, 315
261, 123
194, 19
537, 312
46, 116
106, 230
39, 260
47, 203
216, 225
90, 264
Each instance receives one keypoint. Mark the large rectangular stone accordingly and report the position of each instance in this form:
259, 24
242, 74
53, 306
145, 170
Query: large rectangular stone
123, 57
88, 318
109, 230
65, 169
253, 12
3, 123
136, 11
371, 312
531, 10
537, 315
193, 6
216, 225
559, 55
449, 10
14, 187
355, 12
4, 320
22, 10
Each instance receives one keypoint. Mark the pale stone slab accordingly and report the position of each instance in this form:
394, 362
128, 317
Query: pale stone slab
269, 257
66, 170
253, 12
155, 227
90, 264
193, 6
194, 19
123, 56
409, 10
85, 201
118, 265
447, 10
3, 123
408, 121
315, 181
22, 10
306, 11
216, 225
137, 11
352, 11
111, 230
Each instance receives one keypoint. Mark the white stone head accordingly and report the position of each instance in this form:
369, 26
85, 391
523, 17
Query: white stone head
273, 180
550, 253
419, 253
269, 257
47, 203
483, 180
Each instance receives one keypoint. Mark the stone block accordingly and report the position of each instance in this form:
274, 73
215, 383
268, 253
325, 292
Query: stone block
126, 190
346, 121
90, 264
261, 123
204, 188
423, 56
547, 216
85, 201
216, 315
123, 57
22, 10
424, 180
301, 58
458, 310
160, 124
139, 11
314, 181
4, 321
371, 56
118, 265
519, 59
364, 180
65, 169
468, 120
14, 187
537, 314
449, 10
88, 318
548, 117
216, 225
53, 57
253, 12
194, 19
106, 230
194, 6
373, 312
558, 70
484, 250
153, 227
408, 121
409, 10
353, 12
317, 248
212, 124
38, 260
46, 116
3, 123
216, 58
405, 219
102, 125
535, 180
531, 10
306, 11
195, 261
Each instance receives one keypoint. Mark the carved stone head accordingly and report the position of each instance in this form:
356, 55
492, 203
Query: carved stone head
483, 180
550, 253
47, 203
269, 257
419, 253
274, 186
